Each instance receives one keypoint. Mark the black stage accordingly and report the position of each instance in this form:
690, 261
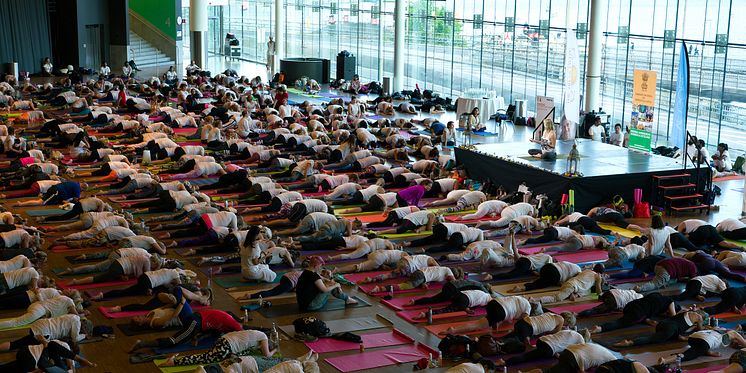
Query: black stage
607, 170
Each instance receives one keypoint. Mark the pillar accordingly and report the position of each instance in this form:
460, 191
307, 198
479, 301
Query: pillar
595, 52
399, 30
279, 33
381, 54
119, 28
198, 31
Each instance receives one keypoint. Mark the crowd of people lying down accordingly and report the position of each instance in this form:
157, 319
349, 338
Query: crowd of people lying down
234, 174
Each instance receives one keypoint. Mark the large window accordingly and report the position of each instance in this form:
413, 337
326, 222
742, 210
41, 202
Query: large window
516, 48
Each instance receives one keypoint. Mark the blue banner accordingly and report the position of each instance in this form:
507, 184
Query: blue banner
681, 105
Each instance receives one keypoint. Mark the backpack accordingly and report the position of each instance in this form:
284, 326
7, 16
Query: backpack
311, 326
487, 345
456, 346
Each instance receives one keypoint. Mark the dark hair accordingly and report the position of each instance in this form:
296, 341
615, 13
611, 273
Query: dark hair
578, 228
657, 222
460, 301
495, 313
252, 235
599, 268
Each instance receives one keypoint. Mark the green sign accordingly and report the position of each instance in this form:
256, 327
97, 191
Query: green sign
623, 35
509, 24
669, 38
333, 9
374, 12
721, 43
640, 140
299, 4
581, 31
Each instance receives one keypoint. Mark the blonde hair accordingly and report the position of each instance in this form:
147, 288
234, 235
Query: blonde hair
548, 124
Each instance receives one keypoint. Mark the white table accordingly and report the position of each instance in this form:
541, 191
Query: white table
487, 106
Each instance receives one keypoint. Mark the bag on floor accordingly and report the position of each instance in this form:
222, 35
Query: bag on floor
488, 345
311, 326
457, 346
642, 210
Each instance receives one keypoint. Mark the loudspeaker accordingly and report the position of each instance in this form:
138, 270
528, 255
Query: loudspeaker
346, 67
325, 71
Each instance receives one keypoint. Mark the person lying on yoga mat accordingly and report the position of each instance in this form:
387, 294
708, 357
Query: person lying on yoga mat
451, 198
202, 296
22, 279
309, 224
531, 326
90, 223
641, 310
499, 310
551, 274
71, 328
276, 203
366, 247
521, 224
288, 282
327, 235
704, 343
668, 271
579, 358
451, 289
190, 215
582, 241
587, 223
612, 300
584, 283
508, 256
732, 229
22, 261
669, 329
152, 282
475, 250
394, 216
508, 214
457, 241
383, 259
233, 343
732, 259
56, 356
200, 169
416, 222
548, 346
462, 301
609, 215
222, 221
421, 277
292, 212
468, 201
123, 268
707, 264
619, 255
168, 201
109, 235
56, 193
702, 286
732, 299
57, 306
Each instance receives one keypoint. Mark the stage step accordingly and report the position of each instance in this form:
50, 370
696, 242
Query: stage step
679, 198
662, 177
690, 208
670, 187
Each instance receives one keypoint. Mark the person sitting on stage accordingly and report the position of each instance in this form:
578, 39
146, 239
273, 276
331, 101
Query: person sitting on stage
474, 122
548, 142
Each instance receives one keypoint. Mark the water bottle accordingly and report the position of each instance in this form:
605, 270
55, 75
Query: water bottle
391, 291
245, 316
275, 337
261, 302
429, 316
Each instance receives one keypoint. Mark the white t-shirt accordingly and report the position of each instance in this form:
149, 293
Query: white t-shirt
92, 204
243, 340
57, 306
560, 340
472, 234
596, 132
473, 198
590, 355
66, 326
477, 298
20, 277
566, 270
633, 251
519, 209
564, 233
713, 338
14, 263
494, 206
545, 322
162, 277
208, 168
320, 218
572, 218
539, 260
623, 297
355, 240
729, 225
711, 283
690, 225
514, 306
466, 368
436, 274
314, 205
734, 259
418, 218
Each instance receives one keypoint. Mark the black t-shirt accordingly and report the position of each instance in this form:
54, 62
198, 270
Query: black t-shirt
617, 366
306, 289
651, 304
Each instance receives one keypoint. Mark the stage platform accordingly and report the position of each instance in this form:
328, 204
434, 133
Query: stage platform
607, 170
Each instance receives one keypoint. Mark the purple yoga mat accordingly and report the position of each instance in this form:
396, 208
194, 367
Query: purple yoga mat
390, 338
381, 358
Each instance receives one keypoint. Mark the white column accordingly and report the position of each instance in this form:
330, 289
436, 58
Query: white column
595, 52
279, 33
381, 54
399, 30
198, 31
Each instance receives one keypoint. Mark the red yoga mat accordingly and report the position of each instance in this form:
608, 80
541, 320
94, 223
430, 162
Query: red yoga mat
367, 218
127, 314
391, 338
400, 304
575, 308
381, 358
583, 256
410, 315
441, 328
63, 285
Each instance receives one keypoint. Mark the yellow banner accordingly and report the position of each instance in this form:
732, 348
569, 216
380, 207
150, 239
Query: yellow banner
644, 89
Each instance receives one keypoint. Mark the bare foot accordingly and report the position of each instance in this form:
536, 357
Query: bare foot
115, 309
595, 329
623, 343
350, 301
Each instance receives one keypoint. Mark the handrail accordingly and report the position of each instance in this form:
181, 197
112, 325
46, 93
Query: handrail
707, 184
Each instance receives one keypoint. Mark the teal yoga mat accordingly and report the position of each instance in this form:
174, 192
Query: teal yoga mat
46, 212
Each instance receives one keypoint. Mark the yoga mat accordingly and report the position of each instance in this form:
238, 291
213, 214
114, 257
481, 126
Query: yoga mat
131, 329
503, 289
237, 282
410, 315
237, 295
184, 368
97, 285
360, 276
381, 358
373, 340
367, 288
72, 259
583, 256
68, 249
59, 270
127, 314
442, 328
46, 212
291, 309
366, 218
651, 358
622, 231
203, 344
406, 235
575, 308
400, 304
356, 324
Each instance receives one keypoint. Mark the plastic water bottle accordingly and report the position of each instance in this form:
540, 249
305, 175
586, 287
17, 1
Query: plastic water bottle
429, 316
246, 317
261, 301
275, 337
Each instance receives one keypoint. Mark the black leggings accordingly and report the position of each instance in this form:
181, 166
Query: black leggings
631, 315
590, 225
455, 243
697, 347
738, 234
665, 330
164, 203
140, 288
73, 213
729, 299
541, 352
550, 234
615, 218
446, 294
391, 220
678, 240
54, 355
522, 268
440, 234
14, 301
285, 286
608, 304
548, 276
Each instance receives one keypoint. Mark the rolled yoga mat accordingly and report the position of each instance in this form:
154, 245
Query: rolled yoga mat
333, 304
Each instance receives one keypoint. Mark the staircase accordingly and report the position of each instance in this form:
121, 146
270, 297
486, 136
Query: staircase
147, 56
676, 193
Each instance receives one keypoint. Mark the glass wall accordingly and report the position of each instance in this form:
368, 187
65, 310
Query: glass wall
516, 47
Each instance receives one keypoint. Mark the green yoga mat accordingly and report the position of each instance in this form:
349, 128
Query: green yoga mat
46, 212
184, 368
740, 243
301, 93
406, 235
15, 327
235, 281
290, 309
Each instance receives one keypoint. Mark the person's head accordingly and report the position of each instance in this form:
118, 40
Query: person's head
618, 128
495, 313
252, 235
450, 124
599, 268
597, 121
46, 60
701, 143
475, 111
722, 147
578, 229
313, 263
569, 319
460, 301
427, 184
548, 125
656, 222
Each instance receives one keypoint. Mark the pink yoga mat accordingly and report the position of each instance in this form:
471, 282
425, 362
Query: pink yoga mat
573, 307
63, 285
391, 338
127, 314
400, 304
410, 315
583, 256
357, 277
438, 328
381, 358
367, 288
705, 370
457, 219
